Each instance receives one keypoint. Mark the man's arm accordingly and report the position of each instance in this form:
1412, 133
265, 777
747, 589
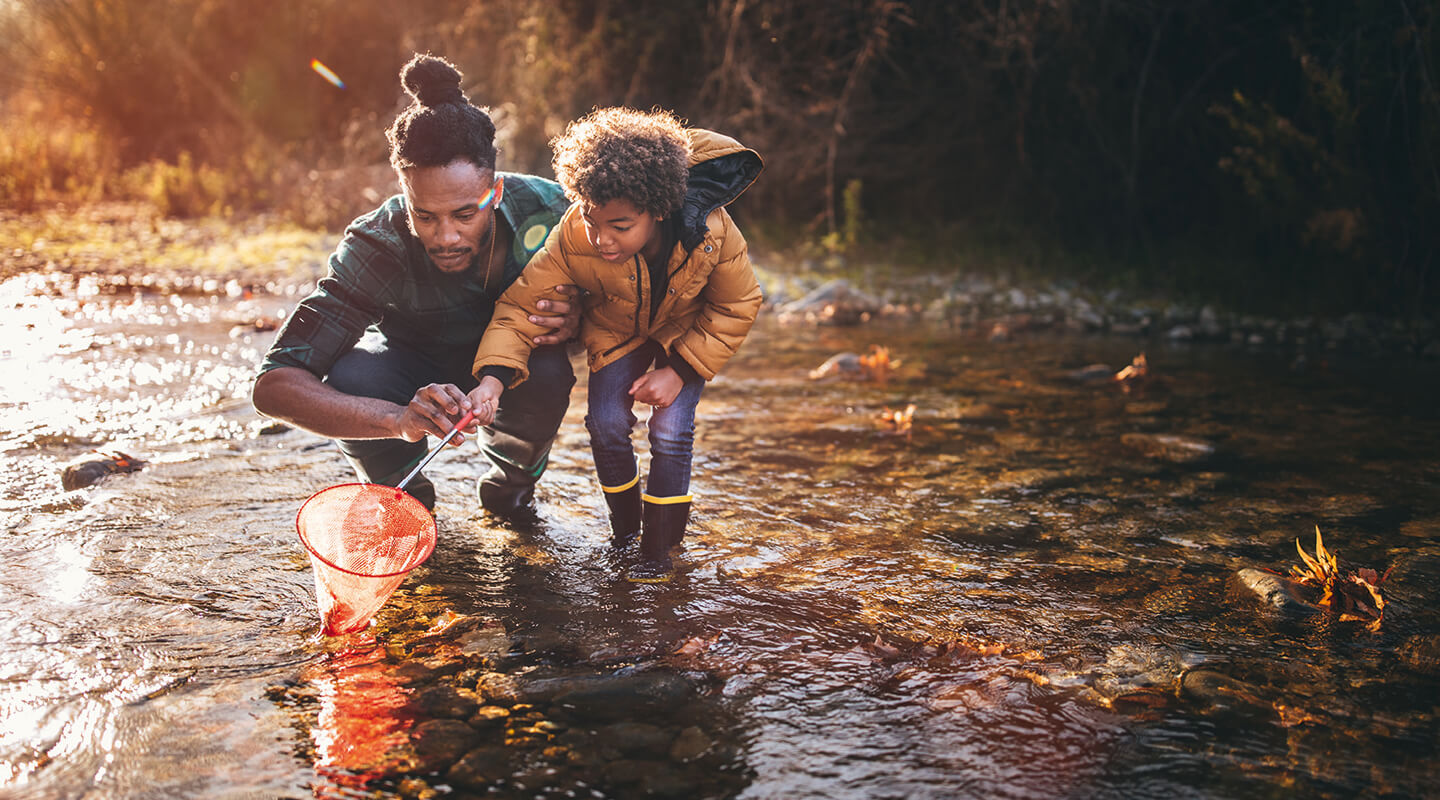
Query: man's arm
296, 396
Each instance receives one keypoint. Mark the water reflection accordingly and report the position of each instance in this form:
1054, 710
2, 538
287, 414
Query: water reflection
361, 731
1030, 592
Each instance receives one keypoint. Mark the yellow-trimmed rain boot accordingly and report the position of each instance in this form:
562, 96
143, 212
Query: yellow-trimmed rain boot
663, 529
624, 502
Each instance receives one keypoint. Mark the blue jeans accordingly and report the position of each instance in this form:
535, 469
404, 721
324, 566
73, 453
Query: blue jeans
517, 444
611, 417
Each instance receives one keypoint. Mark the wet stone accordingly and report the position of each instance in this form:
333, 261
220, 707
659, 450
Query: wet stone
1276, 591
439, 743
689, 745
636, 738
488, 642
602, 697
488, 718
413, 672
416, 789
480, 767
1422, 653
1216, 690
445, 701
499, 689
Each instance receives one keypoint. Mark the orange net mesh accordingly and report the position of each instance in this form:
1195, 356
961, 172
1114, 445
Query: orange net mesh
362, 539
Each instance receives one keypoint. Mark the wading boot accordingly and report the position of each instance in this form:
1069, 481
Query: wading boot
624, 502
664, 528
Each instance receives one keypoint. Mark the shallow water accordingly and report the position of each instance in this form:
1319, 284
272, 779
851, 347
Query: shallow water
1031, 593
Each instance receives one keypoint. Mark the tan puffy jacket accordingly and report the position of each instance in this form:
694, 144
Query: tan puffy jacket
710, 303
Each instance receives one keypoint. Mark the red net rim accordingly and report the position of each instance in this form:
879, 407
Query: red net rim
429, 543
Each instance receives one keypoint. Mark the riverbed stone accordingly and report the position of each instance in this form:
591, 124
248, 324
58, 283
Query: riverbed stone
648, 778
480, 766
611, 697
439, 743
488, 718
499, 689
488, 642
1216, 690
636, 738
1422, 653
445, 701
1276, 591
412, 673
690, 745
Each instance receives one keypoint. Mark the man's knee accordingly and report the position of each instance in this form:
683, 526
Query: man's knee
363, 373
550, 367
545, 395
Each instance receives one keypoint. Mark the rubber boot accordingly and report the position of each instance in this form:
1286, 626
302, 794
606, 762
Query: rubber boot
663, 529
624, 502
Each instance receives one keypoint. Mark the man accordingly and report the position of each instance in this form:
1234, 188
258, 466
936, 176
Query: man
379, 354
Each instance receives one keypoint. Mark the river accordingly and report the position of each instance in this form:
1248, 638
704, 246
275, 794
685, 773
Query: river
1027, 589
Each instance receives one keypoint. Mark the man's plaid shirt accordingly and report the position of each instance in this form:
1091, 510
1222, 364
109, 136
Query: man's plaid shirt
380, 279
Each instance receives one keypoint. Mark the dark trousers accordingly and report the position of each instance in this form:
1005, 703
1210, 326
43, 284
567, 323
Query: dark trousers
517, 444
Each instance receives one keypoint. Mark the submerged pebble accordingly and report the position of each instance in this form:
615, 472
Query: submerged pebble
1275, 590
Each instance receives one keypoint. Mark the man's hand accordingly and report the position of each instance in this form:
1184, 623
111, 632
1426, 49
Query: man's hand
657, 388
485, 398
562, 316
434, 410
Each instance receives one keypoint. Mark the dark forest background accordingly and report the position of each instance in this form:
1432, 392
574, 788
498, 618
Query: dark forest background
1277, 155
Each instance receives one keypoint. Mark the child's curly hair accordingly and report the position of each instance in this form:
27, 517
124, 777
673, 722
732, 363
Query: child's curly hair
624, 154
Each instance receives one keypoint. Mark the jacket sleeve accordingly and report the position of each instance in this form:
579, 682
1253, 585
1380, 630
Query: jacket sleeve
731, 301
510, 336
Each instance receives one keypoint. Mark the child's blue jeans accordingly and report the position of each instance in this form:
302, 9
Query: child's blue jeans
611, 418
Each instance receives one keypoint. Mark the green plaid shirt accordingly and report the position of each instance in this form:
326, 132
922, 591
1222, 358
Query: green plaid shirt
381, 279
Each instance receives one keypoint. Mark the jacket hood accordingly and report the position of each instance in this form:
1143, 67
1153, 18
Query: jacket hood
721, 169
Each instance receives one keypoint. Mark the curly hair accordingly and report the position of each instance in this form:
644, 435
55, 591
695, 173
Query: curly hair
440, 125
624, 154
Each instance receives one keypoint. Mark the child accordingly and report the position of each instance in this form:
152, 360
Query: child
667, 283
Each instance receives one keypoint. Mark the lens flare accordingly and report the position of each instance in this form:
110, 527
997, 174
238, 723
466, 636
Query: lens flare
326, 73
486, 199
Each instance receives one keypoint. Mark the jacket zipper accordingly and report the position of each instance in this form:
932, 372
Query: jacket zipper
639, 306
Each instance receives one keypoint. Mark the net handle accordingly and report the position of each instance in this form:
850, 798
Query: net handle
465, 420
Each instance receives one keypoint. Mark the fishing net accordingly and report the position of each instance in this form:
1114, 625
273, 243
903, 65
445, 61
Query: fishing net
363, 539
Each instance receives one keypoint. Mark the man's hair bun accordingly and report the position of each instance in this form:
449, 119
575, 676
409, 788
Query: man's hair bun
432, 81
441, 124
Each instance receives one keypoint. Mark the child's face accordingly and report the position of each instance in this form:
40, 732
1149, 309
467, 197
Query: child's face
619, 230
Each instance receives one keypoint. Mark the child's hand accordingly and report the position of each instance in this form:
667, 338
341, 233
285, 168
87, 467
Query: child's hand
486, 399
657, 388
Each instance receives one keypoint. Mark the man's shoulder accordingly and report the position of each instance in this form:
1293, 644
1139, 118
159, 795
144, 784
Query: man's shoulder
378, 236
533, 206
530, 194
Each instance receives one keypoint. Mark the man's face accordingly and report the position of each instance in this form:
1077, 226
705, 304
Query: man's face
451, 208
619, 230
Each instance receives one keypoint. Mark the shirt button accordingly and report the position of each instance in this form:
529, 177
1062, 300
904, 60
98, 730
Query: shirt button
632, 277
672, 291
